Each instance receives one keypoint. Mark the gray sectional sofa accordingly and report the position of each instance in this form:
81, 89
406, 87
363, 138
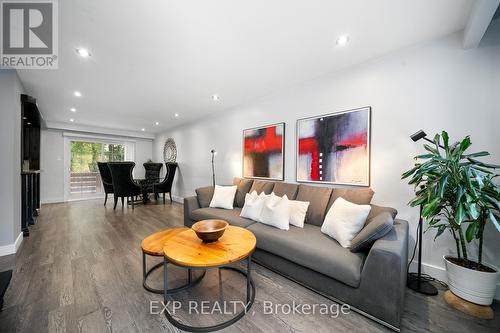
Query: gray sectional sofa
372, 281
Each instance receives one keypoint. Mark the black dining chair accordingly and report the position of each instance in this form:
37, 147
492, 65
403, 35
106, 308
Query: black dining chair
166, 185
107, 181
152, 171
123, 183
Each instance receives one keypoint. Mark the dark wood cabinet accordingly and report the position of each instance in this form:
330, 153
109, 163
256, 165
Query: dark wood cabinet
30, 162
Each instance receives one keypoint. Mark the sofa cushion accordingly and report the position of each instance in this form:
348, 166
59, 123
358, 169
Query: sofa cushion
359, 196
318, 197
310, 248
244, 186
204, 195
378, 227
290, 190
232, 216
262, 186
376, 210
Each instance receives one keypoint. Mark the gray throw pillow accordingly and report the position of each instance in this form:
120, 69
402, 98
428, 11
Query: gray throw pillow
244, 186
204, 195
262, 186
378, 227
376, 210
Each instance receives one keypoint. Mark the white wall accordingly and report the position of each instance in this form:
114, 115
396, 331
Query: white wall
52, 160
433, 86
10, 161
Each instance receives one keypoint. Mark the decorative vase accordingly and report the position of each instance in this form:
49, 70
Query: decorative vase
474, 286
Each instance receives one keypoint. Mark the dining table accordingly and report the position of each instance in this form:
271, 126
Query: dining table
146, 185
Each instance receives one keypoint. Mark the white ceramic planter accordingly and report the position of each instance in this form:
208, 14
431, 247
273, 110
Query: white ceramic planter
471, 285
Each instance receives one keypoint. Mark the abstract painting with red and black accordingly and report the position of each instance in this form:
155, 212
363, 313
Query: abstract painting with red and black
335, 148
263, 151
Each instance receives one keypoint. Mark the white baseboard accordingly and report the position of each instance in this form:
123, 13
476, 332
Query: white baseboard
9, 249
52, 201
177, 199
440, 274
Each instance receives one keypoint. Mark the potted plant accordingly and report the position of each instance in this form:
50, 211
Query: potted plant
458, 193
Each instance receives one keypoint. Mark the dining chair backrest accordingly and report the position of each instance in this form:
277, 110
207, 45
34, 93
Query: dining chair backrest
152, 170
166, 184
123, 183
105, 173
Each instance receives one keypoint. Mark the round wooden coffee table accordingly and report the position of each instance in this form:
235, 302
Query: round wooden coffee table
185, 249
153, 246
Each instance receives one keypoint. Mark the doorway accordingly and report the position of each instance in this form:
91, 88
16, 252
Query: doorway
83, 180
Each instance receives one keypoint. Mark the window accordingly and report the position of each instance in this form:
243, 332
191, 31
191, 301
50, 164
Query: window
85, 180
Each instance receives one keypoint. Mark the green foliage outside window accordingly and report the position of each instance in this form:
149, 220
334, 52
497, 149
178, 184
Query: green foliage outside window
85, 155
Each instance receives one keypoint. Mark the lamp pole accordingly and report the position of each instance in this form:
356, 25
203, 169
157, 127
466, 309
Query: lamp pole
213, 152
416, 282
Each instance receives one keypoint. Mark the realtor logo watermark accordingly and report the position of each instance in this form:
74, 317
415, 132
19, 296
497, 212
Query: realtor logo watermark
332, 310
29, 34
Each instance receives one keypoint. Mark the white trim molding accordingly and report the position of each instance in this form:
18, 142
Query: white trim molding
439, 273
9, 249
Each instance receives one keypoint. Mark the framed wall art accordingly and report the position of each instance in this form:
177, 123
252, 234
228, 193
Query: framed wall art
264, 152
335, 148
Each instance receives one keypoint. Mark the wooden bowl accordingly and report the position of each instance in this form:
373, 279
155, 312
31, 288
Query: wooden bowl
210, 230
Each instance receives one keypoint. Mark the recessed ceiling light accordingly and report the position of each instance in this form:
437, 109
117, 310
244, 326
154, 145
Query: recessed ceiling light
77, 94
143, 129
157, 123
215, 97
342, 40
25, 118
84, 53
176, 115
72, 120
72, 110
28, 123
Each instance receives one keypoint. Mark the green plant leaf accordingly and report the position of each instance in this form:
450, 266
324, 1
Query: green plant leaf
424, 156
466, 143
429, 209
441, 228
442, 185
460, 214
494, 220
478, 154
445, 136
431, 149
472, 209
486, 171
471, 232
482, 164
417, 201
410, 172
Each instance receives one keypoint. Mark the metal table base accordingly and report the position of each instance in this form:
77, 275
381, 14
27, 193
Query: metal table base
146, 273
250, 296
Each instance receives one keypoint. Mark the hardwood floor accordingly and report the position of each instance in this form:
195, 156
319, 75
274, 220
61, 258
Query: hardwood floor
81, 271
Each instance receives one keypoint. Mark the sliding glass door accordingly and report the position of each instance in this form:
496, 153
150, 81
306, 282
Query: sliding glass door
84, 178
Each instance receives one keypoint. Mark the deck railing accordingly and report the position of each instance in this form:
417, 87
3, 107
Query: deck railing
85, 182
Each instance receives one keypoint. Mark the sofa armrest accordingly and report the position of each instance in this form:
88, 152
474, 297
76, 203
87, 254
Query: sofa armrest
383, 277
190, 204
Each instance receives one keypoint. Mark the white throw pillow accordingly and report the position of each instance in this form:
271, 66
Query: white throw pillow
253, 205
298, 210
276, 212
223, 197
344, 221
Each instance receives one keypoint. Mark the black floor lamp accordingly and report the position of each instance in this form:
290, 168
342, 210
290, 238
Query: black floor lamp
416, 282
213, 152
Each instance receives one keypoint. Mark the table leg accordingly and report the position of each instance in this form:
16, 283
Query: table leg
249, 261
165, 283
143, 267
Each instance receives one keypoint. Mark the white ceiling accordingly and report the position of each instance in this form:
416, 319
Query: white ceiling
151, 59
